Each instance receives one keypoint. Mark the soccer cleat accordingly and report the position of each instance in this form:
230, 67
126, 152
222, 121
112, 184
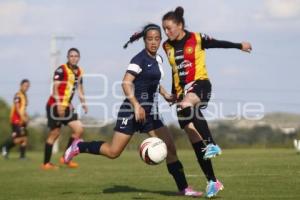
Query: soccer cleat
213, 188
70, 164
4, 152
190, 192
62, 160
72, 151
49, 166
220, 186
212, 150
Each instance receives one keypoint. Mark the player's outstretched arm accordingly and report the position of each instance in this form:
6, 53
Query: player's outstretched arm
209, 42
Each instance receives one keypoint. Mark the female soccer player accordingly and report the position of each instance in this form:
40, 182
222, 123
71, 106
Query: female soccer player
139, 111
67, 78
191, 86
18, 119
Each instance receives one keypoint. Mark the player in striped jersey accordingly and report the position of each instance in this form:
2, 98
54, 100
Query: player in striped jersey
18, 119
60, 111
191, 85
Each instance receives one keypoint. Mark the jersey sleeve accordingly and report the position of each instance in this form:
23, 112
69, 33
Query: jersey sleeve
17, 99
209, 42
159, 60
81, 76
58, 74
134, 67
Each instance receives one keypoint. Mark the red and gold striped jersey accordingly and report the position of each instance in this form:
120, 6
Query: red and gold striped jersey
20, 100
187, 59
68, 81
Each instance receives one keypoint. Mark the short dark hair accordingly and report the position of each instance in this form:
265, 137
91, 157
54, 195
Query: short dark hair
25, 80
176, 16
73, 49
143, 33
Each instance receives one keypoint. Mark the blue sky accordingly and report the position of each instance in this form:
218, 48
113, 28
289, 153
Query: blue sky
270, 74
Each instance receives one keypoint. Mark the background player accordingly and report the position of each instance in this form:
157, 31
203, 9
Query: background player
19, 120
67, 78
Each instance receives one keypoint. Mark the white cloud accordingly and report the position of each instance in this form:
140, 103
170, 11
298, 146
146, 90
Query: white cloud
280, 10
11, 17
20, 18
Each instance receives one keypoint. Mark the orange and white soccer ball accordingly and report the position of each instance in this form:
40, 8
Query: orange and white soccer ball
153, 151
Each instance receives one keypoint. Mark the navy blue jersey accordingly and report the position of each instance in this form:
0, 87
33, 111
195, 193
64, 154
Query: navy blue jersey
148, 73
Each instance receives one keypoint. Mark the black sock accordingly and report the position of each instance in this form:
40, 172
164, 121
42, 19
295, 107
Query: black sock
22, 151
90, 147
71, 139
176, 170
201, 125
48, 152
205, 165
9, 143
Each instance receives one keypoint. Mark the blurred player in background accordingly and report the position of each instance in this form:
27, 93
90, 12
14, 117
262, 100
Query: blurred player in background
18, 119
67, 78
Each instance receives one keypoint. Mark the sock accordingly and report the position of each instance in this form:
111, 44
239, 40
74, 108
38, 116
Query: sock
9, 143
185, 114
201, 125
48, 152
205, 165
176, 170
22, 151
71, 139
90, 147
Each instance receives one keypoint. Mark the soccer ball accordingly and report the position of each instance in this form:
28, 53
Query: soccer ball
153, 151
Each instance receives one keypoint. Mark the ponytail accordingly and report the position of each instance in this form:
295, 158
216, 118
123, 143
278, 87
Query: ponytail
136, 36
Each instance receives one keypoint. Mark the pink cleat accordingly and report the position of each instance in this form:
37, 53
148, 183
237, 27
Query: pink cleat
213, 188
72, 151
219, 185
190, 192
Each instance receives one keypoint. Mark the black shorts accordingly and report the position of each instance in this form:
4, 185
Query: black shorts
18, 130
202, 88
54, 121
127, 124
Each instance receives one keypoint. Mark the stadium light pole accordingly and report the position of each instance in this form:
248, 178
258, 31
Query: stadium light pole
54, 59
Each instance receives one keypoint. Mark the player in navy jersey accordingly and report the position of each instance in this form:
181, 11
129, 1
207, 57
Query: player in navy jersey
139, 111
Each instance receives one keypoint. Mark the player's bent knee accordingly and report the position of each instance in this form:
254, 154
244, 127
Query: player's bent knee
114, 154
189, 129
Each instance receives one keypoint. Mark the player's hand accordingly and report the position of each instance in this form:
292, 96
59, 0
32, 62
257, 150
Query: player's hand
246, 46
61, 110
25, 118
139, 113
85, 108
170, 98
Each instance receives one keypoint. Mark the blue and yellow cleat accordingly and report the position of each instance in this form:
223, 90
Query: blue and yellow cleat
212, 150
213, 188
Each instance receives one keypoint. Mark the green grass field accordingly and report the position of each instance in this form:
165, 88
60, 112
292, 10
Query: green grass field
246, 174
